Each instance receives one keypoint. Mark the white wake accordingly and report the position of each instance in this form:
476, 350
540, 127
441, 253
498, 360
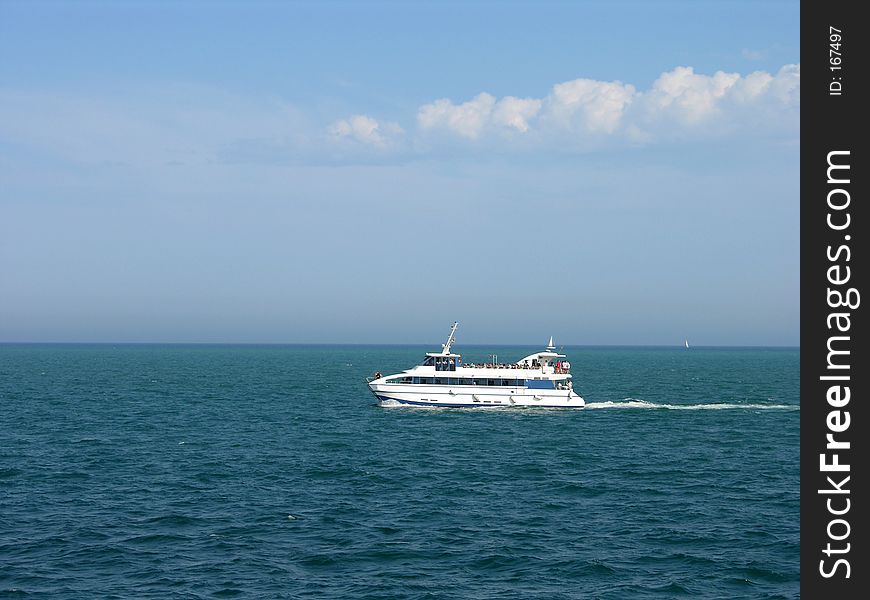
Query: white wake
632, 403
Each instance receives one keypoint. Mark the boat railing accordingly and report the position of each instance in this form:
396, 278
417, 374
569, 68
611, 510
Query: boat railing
558, 369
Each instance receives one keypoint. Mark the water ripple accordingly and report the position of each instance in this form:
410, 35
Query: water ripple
202, 472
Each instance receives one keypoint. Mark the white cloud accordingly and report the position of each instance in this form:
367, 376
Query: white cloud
683, 103
589, 105
366, 130
786, 86
687, 96
467, 119
516, 112
479, 115
186, 124
585, 112
752, 86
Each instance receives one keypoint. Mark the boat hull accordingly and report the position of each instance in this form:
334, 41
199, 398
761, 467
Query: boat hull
482, 397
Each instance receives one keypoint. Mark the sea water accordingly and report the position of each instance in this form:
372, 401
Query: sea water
270, 472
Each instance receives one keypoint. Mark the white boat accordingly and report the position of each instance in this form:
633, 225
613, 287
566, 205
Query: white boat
687, 344
542, 379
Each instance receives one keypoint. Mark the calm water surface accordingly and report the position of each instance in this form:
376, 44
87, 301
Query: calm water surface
222, 471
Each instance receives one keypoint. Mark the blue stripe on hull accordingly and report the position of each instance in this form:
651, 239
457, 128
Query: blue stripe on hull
444, 405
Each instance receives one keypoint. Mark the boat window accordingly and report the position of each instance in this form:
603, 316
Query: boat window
492, 382
440, 381
442, 363
539, 384
426, 380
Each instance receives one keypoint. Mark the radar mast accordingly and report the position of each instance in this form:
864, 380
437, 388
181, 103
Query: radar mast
445, 348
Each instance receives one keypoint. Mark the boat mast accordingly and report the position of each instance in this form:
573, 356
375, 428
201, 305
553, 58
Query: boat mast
445, 348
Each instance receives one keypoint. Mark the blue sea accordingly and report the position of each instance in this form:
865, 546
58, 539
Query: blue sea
145, 471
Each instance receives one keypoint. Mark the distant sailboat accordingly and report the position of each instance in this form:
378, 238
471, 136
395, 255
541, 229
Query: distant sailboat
687, 344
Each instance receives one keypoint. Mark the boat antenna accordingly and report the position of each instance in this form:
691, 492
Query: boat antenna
445, 348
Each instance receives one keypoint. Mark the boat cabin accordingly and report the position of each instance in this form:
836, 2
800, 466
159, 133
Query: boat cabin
442, 362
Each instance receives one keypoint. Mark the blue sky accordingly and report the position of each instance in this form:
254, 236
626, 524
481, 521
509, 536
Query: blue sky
606, 172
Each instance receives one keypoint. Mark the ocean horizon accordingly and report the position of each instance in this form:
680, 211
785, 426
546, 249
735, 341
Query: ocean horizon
394, 345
